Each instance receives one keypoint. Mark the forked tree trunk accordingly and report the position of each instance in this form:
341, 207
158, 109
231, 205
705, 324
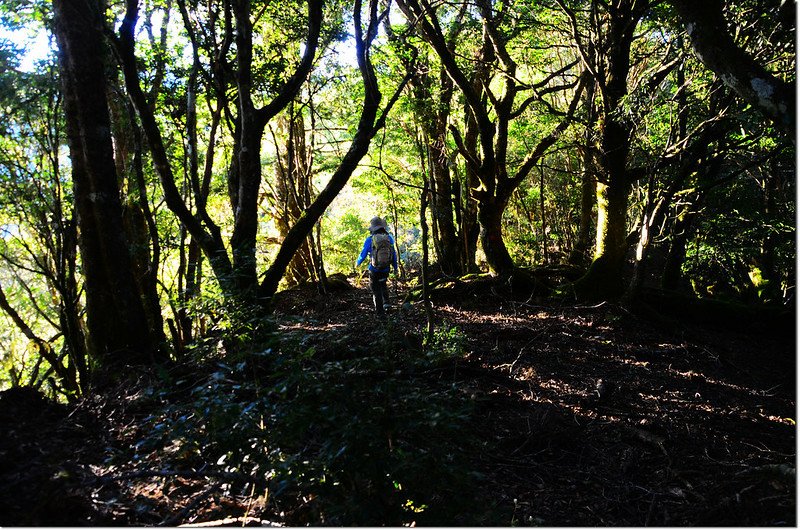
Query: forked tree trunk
604, 279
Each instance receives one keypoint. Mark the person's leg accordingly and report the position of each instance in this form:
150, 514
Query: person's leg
385, 288
377, 288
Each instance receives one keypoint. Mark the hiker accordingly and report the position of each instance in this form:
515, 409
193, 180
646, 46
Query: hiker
379, 245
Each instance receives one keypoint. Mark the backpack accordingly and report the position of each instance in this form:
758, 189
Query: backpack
381, 251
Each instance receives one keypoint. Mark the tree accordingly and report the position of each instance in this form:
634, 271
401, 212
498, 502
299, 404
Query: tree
39, 238
116, 319
369, 123
607, 57
715, 46
431, 93
493, 114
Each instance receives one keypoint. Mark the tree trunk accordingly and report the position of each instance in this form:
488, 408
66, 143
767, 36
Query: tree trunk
469, 227
69, 312
245, 228
426, 296
200, 225
447, 246
116, 319
579, 255
490, 216
672, 278
137, 218
770, 289
291, 191
714, 46
604, 279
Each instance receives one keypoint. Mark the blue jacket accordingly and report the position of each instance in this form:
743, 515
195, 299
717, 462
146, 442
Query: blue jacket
367, 250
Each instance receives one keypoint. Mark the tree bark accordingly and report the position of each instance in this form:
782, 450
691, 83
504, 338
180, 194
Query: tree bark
714, 46
604, 279
116, 320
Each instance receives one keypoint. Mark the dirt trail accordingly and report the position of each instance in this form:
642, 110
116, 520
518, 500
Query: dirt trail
585, 416
594, 416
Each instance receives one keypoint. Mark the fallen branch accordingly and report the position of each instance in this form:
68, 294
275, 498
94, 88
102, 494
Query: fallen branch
230, 521
784, 471
181, 474
650, 438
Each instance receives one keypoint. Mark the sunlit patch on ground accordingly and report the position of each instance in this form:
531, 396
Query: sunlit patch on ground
585, 416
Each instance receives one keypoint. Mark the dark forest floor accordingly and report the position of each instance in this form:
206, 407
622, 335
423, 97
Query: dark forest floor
692, 426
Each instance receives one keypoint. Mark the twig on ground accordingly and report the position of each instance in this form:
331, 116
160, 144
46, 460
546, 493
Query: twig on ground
195, 502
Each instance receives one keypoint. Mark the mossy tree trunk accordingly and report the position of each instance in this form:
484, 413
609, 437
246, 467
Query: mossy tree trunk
604, 279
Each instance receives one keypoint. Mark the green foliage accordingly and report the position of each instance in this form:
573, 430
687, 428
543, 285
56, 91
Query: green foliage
448, 342
371, 439
725, 259
346, 235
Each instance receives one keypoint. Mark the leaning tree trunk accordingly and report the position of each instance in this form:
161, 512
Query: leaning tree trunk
116, 320
715, 47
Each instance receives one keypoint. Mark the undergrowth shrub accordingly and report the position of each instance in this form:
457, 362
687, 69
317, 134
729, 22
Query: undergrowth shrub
369, 440
448, 342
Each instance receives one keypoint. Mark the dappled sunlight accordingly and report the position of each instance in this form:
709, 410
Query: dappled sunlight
310, 326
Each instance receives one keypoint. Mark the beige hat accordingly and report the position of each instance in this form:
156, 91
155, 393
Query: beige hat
376, 223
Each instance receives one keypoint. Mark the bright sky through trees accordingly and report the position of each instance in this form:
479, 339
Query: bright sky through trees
33, 42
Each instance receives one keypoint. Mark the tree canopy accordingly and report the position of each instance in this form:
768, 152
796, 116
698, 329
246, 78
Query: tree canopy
638, 144
173, 171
